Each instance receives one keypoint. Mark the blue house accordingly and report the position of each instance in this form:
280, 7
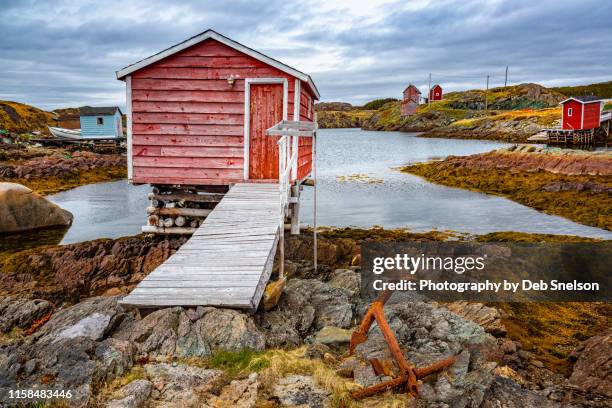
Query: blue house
102, 122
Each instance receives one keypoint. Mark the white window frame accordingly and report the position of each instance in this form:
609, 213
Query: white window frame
569, 112
100, 120
247, 112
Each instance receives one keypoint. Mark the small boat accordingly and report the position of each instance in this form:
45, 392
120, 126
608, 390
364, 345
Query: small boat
65, 133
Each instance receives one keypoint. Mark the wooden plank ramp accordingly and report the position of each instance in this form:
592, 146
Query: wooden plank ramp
228, 260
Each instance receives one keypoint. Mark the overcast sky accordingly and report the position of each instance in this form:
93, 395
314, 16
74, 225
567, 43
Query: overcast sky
65, 53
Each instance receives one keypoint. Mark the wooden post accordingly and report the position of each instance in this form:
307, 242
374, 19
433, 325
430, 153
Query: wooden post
487, 95
295, 210
429, 93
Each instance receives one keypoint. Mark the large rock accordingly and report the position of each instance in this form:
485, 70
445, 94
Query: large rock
305, 306
21, 209
70, 352
21, 313
488, 317
593, 368
192, 333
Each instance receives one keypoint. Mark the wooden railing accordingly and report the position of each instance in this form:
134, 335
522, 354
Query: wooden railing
288, 147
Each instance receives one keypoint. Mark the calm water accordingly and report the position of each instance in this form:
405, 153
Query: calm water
380, 195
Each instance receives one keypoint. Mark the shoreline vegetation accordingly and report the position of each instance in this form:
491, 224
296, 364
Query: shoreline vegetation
514, 113
573, 184
52, 170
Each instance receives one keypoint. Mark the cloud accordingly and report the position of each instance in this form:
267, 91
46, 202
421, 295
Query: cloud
65, 53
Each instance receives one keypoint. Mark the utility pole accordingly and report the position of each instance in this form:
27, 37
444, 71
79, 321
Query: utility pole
429, 93
487, 94
506, 80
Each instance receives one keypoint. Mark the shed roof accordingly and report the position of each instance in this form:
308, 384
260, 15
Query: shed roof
582, 99
122, 73
413, 86
436, 85
97, 111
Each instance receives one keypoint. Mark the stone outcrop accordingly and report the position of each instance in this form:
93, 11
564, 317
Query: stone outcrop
593, 369
21, 313
532, 159
487, 317
71, 272
21, 209
59, 164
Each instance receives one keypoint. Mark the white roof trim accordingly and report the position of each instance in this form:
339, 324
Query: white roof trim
578, 100
122, 73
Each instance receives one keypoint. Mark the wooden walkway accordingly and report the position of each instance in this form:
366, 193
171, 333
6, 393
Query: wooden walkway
228, 260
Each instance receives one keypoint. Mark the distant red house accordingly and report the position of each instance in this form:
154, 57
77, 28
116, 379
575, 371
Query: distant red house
435, 94
410, 101
198, 113
581, 112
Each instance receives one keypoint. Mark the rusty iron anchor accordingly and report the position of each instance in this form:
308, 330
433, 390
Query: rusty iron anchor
409, 375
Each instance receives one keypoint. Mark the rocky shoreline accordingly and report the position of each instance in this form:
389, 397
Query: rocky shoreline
570, 183
64, 329
49, 171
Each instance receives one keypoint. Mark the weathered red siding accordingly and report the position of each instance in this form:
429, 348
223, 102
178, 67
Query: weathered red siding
436, 93
574, 121
305, 143
591, 115
188, 122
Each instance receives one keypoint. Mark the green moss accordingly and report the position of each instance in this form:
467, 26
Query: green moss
234, 363
55, 184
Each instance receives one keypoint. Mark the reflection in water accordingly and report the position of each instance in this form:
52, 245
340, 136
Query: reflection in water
115, 209
104, 210
31, 239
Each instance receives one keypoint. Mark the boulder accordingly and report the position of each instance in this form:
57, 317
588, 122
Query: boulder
593, 369
187, 333
70, 351
21, 209
21, 313
488, 317
305, 306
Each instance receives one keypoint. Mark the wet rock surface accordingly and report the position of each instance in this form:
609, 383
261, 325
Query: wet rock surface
59, 164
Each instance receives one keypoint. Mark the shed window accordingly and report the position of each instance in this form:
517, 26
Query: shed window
569, 111
100, 121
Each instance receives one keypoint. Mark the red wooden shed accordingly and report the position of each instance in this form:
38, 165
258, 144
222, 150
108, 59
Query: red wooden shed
410, 100
435, 94
581, 113
198, 112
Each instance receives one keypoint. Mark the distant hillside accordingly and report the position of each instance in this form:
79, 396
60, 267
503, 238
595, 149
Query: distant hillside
602, 90
523, 96
21, 118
